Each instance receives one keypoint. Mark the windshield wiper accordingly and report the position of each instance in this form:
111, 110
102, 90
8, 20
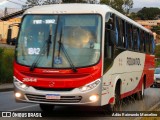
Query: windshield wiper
65, 52
38, 57
48, 41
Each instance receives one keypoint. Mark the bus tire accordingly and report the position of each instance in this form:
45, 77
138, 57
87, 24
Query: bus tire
117, 105
46, 107
140, 94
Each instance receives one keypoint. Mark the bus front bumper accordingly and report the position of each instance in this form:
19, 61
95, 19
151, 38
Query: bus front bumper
75, 96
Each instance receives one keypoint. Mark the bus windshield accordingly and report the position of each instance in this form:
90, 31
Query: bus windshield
59, 41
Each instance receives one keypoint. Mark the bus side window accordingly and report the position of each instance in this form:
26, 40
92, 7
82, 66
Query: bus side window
125, 34
144, 38
141, 40
135, 38
109, 36
129, 36
138, 39
132, 40
152, 44
120, 28
147, 43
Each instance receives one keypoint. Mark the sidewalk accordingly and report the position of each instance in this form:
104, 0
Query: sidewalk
6, 87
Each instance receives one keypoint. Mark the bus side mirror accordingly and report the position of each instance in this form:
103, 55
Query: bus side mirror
109, 26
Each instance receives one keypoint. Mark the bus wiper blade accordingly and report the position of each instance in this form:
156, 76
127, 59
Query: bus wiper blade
49, 40
66, 54
37, 57
33, 66
48, 44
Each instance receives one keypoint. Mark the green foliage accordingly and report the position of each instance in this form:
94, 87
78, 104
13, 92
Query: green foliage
122, 6
133, 16
157, 63
107, 2
45, 2
157, 51
156, 29
128, 4
148, 13
73, 1
6, 65
33, 2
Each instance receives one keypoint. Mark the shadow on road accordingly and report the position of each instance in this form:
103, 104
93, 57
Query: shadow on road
83, 111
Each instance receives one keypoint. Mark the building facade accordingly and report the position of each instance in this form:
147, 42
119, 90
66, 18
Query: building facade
4, 25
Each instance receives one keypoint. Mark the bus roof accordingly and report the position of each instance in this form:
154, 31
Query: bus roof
76, 8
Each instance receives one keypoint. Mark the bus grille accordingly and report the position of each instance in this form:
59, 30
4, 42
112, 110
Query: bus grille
53, 89
63, 99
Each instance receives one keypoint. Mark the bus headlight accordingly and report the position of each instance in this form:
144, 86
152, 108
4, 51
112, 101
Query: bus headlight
18, 95
90, 85
20, 84
93, 98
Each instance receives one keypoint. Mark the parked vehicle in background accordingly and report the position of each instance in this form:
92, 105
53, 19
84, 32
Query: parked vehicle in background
156, 77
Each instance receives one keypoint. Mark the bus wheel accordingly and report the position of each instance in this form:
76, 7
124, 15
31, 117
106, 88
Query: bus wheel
140, 94
118, 103
46, 107
114, 107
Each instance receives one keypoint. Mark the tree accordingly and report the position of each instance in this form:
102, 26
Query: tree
42, 2
45, 2
133, 16
5, 11
73, 1
52, 2
128, 4
107, 2
119, 5
148, 13
34, 2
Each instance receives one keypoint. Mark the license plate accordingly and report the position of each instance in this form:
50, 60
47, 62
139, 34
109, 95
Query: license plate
53, 97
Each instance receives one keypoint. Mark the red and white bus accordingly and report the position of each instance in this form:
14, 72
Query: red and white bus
81, 54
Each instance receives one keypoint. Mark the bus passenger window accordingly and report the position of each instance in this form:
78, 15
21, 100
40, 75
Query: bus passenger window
123, 34
109, 35
138, 39
126, 34
129, 36
132, 40
135, 38
152, 44
120, 28
141, 41
144, 38
147, 42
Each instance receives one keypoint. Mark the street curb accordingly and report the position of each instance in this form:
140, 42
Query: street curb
6, 89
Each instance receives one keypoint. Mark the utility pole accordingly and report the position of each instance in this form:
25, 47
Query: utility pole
5, 11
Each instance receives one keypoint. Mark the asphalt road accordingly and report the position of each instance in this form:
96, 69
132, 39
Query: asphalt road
151, 101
